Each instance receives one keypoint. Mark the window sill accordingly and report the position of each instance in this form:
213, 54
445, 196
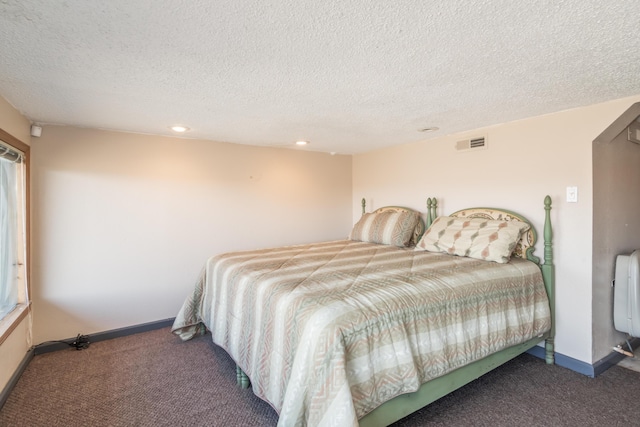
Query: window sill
12, 320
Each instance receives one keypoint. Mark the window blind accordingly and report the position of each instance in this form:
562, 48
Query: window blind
11, 154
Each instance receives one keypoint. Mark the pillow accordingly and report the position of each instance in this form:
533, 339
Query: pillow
486, 239
389, 228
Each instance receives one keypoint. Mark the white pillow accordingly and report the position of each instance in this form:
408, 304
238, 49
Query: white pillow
486, 239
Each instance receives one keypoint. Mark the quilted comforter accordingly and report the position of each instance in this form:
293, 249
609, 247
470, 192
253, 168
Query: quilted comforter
329, 331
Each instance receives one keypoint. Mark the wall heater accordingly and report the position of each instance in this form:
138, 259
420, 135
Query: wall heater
626, 298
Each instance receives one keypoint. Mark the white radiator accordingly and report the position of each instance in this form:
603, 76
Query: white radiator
626, 298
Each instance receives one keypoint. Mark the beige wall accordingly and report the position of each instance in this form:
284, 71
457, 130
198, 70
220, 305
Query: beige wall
15, 347
12, 351
13, 122
123, 223
525, 160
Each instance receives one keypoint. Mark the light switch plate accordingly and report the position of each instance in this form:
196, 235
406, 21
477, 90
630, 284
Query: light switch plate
572, 194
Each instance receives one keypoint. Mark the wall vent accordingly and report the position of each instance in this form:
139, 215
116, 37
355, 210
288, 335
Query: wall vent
477, 143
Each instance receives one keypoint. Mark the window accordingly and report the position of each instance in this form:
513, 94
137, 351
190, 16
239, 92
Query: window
14, 157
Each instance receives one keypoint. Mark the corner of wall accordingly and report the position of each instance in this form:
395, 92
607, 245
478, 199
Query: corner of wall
15, 346
13, 122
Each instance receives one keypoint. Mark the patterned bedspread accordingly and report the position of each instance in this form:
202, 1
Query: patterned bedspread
329, 331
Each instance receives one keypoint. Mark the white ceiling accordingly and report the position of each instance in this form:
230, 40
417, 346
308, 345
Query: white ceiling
349, 76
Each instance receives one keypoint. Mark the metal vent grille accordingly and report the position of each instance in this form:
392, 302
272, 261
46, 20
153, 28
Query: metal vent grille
633, 131
472, 144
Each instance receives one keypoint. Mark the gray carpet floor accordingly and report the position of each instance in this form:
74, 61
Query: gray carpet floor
154, 379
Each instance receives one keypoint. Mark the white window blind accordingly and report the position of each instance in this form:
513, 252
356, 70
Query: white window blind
12, 229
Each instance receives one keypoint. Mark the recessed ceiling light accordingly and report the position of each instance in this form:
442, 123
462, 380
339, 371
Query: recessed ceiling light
429, 129
301, 142
179, 128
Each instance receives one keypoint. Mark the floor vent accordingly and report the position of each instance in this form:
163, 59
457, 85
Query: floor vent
472, 144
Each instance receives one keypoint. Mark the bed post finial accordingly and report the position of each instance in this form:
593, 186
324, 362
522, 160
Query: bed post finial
432, 204
364, 205
548, 274
429, 218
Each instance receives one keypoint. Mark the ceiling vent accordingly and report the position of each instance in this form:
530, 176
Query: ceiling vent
477, 143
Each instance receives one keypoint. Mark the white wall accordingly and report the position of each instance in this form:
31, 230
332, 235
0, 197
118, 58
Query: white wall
15, 347
123, 223
525, 160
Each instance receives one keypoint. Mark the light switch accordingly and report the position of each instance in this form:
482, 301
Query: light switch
572, 194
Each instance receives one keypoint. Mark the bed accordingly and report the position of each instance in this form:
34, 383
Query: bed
367, 330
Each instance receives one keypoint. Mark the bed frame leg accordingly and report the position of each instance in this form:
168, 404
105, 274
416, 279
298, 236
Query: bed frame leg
549, 351
242, 378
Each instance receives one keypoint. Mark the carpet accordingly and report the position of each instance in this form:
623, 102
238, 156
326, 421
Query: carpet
154, 379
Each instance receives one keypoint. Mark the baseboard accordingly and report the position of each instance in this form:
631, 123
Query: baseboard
560, 359
6, 391
584, 368
50, 346
613, 358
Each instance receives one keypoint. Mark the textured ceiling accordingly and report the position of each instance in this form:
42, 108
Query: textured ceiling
349, 76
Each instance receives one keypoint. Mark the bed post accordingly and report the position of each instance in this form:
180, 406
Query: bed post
364, 205
432, 205
548, 274
242, 378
